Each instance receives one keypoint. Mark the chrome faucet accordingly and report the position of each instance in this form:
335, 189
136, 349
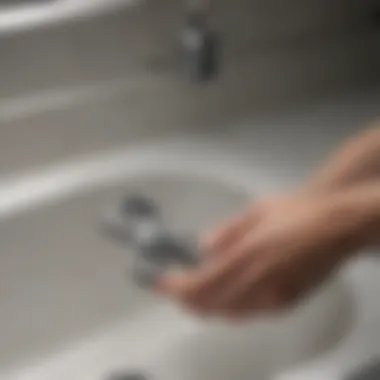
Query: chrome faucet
200, 42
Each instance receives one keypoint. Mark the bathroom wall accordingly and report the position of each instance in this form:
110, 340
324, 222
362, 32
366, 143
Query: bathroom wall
271, 49
114, 80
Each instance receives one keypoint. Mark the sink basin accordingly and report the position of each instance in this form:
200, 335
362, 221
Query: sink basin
70, 311
112, 83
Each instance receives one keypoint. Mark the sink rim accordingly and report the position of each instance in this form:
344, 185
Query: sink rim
23, 191
22, 17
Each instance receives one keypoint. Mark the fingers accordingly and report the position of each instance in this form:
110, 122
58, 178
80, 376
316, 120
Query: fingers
210, 288
263, 262
197, 288
253, 305
238, 287
250, 297
244, 287
221, 239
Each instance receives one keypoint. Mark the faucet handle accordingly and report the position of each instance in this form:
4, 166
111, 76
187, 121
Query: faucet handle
200, 42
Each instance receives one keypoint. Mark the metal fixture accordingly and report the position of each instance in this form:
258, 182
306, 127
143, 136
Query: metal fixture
137, 223
200, 42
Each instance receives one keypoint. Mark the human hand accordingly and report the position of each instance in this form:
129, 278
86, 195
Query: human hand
268, 257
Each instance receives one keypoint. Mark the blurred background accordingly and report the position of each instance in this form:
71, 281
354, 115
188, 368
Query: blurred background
87, 85
119, 63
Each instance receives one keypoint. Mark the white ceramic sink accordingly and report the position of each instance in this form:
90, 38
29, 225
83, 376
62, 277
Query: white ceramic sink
69, 310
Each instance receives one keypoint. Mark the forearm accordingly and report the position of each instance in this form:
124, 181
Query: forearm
360, 206
357, 162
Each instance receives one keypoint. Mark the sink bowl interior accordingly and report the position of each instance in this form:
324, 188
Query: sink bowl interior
63, 281
61, 278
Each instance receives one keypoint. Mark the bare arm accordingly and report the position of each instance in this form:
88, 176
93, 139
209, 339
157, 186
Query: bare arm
275, 260
358, 161
362, 204
268, 257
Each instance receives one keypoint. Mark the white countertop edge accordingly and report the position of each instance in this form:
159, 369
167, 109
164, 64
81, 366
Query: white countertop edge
23, 17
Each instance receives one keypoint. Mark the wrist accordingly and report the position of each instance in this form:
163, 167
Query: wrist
321, 185
360, 211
